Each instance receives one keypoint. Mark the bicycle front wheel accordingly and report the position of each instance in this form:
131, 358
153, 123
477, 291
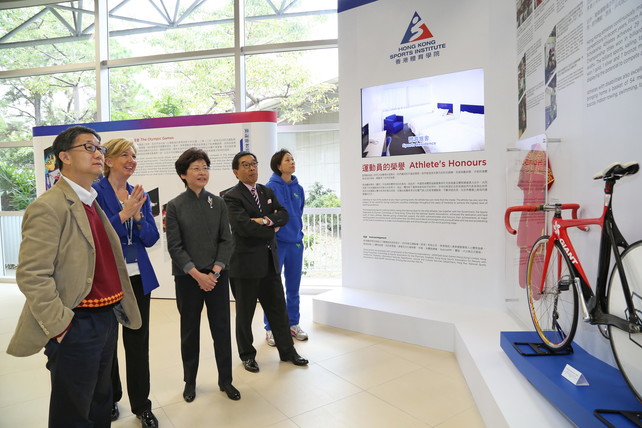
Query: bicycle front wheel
627, 347
554, 308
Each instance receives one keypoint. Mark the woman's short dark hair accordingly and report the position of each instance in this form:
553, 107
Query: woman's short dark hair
187, 158
66, 139
239, 155
276, 160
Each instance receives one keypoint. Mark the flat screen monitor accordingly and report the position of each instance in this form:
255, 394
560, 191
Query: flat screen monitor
436, 114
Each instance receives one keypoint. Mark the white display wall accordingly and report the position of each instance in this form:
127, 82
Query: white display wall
567, 70
422, 225
578, 65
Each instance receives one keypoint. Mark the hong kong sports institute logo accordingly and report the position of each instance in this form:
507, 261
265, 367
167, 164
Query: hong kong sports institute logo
417, 44
417, 30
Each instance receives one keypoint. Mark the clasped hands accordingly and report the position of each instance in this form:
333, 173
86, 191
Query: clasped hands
206, 281
132, 206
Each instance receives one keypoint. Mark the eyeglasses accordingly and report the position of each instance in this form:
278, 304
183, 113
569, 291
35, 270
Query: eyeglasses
91, 148
248, 165
197, 169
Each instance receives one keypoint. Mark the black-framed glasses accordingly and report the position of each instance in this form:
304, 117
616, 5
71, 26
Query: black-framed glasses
248, 165
91, 148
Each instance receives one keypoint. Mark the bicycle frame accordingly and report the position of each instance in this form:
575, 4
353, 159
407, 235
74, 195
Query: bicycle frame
594, 303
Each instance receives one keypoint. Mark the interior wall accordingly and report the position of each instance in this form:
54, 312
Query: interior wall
594, 86
582, 86
369, 39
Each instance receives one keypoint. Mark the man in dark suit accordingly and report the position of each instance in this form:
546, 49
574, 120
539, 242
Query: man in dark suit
255, 215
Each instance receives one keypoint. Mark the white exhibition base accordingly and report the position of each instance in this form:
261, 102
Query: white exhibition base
503, 396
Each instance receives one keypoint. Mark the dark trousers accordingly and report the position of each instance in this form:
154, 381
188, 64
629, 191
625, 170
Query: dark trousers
269, 291
80, 368
190, 299
136, 344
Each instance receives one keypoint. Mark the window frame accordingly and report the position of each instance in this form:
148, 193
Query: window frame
103, 63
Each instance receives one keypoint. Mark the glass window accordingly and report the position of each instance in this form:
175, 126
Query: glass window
17, 180
317, 158
172, 89
17, 190
48, 35
51, 99
301, 86
141, 27
269, 22
297, 85
10, 237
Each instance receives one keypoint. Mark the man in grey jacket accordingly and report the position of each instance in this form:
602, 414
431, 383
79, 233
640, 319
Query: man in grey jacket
72, 272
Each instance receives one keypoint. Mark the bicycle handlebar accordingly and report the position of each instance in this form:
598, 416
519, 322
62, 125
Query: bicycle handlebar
530, 208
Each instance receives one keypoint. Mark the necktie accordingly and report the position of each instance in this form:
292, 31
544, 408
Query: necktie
256, 197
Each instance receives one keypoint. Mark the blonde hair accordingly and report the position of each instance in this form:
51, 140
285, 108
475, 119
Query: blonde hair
115, 147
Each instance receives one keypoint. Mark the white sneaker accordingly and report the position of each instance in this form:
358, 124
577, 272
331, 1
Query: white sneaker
297, 333
269, 338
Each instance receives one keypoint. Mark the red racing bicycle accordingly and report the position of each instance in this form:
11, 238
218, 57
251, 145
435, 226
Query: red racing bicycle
555, 279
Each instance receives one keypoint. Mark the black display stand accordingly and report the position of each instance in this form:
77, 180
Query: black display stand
634, 417
537, 349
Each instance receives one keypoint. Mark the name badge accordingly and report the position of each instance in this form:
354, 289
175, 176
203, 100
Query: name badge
131, 255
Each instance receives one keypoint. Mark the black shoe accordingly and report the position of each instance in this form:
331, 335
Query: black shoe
251, 365
148, 420
232, 393
114, 412
296, 359
189, 393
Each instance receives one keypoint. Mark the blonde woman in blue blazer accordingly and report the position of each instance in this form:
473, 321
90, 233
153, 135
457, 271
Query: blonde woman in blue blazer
130, 212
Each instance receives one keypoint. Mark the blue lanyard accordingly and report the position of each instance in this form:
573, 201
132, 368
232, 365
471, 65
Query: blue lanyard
129, 225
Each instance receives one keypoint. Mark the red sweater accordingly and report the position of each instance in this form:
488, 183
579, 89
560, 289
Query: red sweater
106, 288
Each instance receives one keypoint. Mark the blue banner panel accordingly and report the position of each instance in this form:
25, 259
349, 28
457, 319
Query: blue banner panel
344, 5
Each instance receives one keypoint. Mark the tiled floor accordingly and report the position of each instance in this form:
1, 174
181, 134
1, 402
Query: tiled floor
353, 380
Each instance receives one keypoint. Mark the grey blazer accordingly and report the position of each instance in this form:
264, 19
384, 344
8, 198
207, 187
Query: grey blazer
56, 268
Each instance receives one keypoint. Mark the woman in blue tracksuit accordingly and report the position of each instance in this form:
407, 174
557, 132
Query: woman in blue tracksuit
130, 212
289, 238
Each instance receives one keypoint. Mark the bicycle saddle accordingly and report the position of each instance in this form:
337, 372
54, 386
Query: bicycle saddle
617, 170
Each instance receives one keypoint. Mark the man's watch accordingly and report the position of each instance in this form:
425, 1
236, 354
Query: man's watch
265, 221
216, 274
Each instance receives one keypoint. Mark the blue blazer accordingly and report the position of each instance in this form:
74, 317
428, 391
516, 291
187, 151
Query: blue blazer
146, 236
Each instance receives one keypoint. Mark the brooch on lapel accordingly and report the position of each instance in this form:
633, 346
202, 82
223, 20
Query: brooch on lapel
209, 199
269, 201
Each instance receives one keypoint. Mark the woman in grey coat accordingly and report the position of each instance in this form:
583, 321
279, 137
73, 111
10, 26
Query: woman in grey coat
200, 244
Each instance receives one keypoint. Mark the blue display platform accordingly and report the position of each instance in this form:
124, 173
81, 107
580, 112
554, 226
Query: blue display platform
607, 388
